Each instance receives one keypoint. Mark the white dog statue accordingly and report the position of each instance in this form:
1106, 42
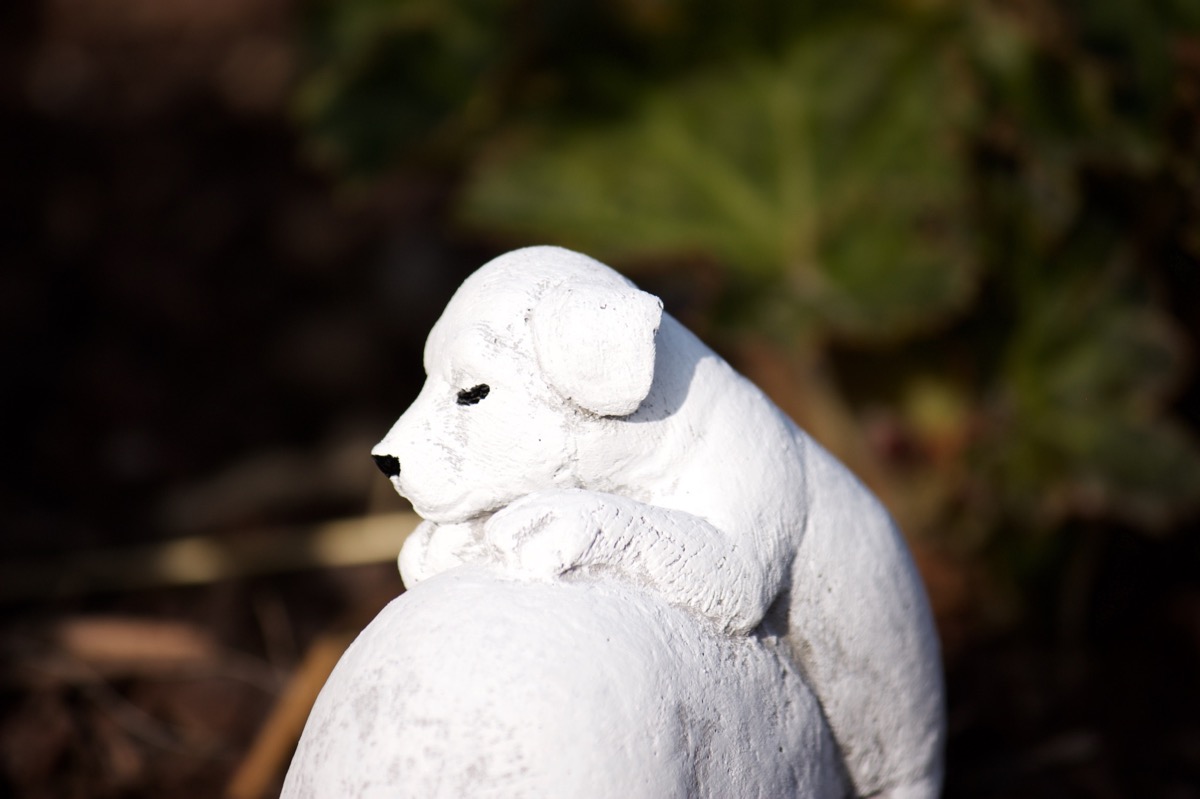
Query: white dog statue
571, 431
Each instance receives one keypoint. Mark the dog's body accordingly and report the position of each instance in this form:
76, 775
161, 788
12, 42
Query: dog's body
609, 438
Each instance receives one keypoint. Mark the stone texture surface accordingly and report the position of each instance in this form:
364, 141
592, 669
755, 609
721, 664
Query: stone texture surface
473, 684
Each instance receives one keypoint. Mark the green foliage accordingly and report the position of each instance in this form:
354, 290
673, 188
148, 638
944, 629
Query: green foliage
1088, 358
827, 178
1081, 391
387, 75
857, 172
393, 81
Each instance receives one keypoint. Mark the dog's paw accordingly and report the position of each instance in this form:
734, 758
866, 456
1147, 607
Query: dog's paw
434, 548
544, 534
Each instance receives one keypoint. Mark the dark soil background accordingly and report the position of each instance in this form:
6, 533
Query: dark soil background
183, 299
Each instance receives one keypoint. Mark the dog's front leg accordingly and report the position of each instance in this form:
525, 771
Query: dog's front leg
684, 558
433, 548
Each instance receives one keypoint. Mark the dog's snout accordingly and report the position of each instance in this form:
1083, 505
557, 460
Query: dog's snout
388, 464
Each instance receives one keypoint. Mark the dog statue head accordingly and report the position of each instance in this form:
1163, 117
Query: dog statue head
535, 345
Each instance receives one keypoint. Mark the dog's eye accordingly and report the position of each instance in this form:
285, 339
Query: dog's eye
470, 396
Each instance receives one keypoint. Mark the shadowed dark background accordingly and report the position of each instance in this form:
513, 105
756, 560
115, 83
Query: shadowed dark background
958, 242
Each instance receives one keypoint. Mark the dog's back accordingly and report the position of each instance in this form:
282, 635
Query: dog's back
860, 625
858, 621
708, 442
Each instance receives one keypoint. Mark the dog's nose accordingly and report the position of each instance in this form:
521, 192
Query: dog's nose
388, 464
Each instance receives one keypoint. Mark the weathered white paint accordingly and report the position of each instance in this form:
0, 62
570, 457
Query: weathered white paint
476, 685
613, 445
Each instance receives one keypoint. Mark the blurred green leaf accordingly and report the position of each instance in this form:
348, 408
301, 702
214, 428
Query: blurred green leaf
385, 80
829, 179
386, 75
1087, 373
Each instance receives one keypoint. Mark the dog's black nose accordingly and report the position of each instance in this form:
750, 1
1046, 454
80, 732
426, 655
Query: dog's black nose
388, 464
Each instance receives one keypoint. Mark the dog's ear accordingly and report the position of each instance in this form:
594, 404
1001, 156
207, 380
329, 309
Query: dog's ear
595, 344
